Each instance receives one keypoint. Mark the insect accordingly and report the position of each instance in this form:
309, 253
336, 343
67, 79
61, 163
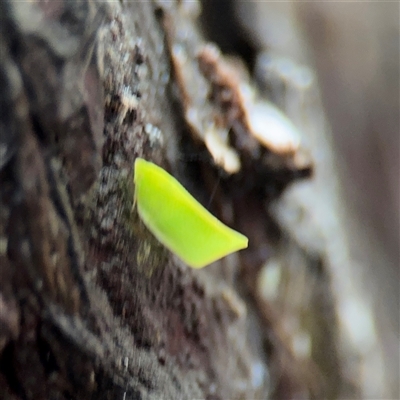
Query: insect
179, 221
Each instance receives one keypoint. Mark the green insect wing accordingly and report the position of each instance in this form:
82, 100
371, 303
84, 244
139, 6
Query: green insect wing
179, 221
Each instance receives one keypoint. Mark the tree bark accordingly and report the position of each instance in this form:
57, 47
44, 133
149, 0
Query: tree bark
91, 304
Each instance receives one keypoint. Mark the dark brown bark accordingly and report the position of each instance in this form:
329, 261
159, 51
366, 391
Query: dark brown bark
91, 305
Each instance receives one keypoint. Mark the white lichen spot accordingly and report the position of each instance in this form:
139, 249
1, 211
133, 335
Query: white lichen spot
212, 388
126, 362
107, 224
273, 68
269, 279
272, 128
301, 344
356, 319
223, 155
258, 374
193, 119
179, 54
129, 102
54, 258
155, 135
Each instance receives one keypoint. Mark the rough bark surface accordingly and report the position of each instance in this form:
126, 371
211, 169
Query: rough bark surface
91, 305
